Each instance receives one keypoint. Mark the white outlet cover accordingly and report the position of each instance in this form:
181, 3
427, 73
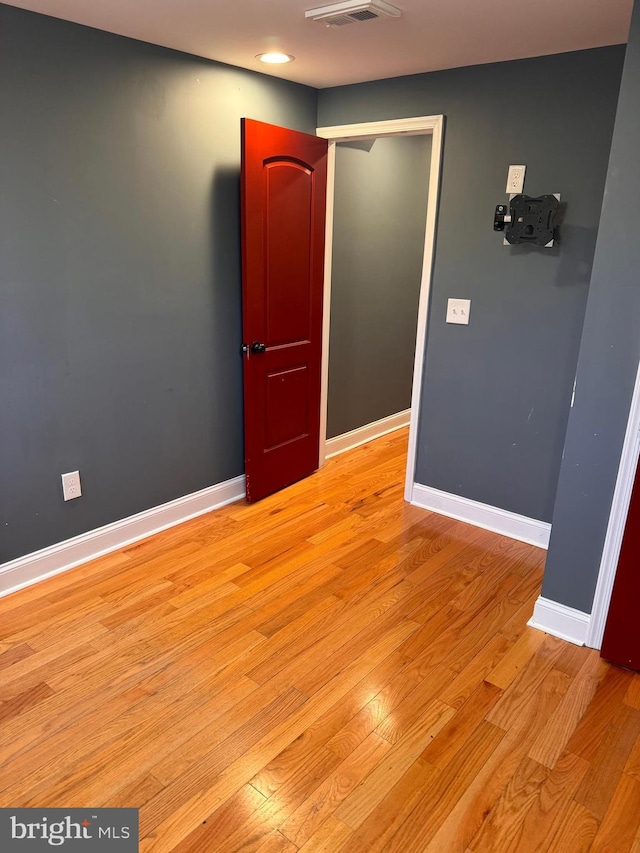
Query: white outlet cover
71, 486
458, 311
515, 179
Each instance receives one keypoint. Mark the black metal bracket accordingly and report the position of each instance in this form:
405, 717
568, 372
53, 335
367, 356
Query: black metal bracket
527, 220
500, 217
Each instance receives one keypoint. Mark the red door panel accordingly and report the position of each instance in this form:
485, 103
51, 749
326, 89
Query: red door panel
288, 249
284, 178
621, 642
287, 406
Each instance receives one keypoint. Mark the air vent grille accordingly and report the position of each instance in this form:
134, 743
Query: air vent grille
364, 16
339, 20
352, 12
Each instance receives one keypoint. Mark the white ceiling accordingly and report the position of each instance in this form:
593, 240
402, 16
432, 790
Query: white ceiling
430, 35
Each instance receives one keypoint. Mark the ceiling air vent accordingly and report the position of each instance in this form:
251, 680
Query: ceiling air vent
352, 11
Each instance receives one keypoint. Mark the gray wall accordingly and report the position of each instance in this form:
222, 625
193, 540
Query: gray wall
607, 365
378, 242
496, 393
119, 272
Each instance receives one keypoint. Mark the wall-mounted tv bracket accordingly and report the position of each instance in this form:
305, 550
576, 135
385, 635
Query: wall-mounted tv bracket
527, 220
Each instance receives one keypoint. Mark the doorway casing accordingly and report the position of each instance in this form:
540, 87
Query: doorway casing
422, 125
629, 461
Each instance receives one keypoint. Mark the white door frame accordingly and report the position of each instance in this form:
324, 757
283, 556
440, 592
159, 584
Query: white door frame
617, 522
421, 125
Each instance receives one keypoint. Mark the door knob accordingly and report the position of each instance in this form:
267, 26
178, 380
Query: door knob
257, 347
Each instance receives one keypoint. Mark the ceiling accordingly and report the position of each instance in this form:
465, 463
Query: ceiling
430, 35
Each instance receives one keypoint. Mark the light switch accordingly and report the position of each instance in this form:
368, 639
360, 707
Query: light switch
458, 311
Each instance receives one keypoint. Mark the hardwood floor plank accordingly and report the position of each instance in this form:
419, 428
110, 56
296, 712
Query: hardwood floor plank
467, 816
591, 730
290, 611
293, 640
321, 804
139, 791
516, 659
132, 744
334, 648
621, 820
322, 731
578, 829
552, 740
96, 715
383, 705
502, 830
545, 815
333, 663
43, 667
14, 655
402, 718
332, 835
475, 672
358, 805
267, 818
223, 822
632, 696
450, 740
248, 718
165, 818
29, 699
480, 630
632, 766
447, 555
276, 843
510, 711
607, 764
529, 586
391, 810
444, 790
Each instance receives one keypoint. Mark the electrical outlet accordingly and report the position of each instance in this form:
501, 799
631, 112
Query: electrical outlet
71, 487
458, 311
515, 179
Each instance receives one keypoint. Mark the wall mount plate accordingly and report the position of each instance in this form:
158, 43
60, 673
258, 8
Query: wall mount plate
536, 214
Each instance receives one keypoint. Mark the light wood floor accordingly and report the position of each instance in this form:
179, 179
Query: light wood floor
327, 670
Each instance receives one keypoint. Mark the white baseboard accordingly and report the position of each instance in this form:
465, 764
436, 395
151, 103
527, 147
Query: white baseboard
560, 620
482, 515
57, 558
356, 437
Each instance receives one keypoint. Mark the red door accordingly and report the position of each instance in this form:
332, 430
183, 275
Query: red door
621, 642
284, 181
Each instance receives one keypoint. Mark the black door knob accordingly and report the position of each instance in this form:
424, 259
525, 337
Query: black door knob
257, 347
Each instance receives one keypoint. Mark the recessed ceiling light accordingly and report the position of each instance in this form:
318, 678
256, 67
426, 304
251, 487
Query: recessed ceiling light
275, 58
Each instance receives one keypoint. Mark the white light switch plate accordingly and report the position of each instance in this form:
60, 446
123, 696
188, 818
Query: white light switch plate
458, 311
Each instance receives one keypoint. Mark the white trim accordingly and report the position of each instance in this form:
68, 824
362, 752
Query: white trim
617, 521
414, 126
72, 552
423, 305
363, 434
482, 515
560, 621
326, 302
419, 125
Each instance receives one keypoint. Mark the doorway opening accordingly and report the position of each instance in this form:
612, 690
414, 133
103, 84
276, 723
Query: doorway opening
368, 133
